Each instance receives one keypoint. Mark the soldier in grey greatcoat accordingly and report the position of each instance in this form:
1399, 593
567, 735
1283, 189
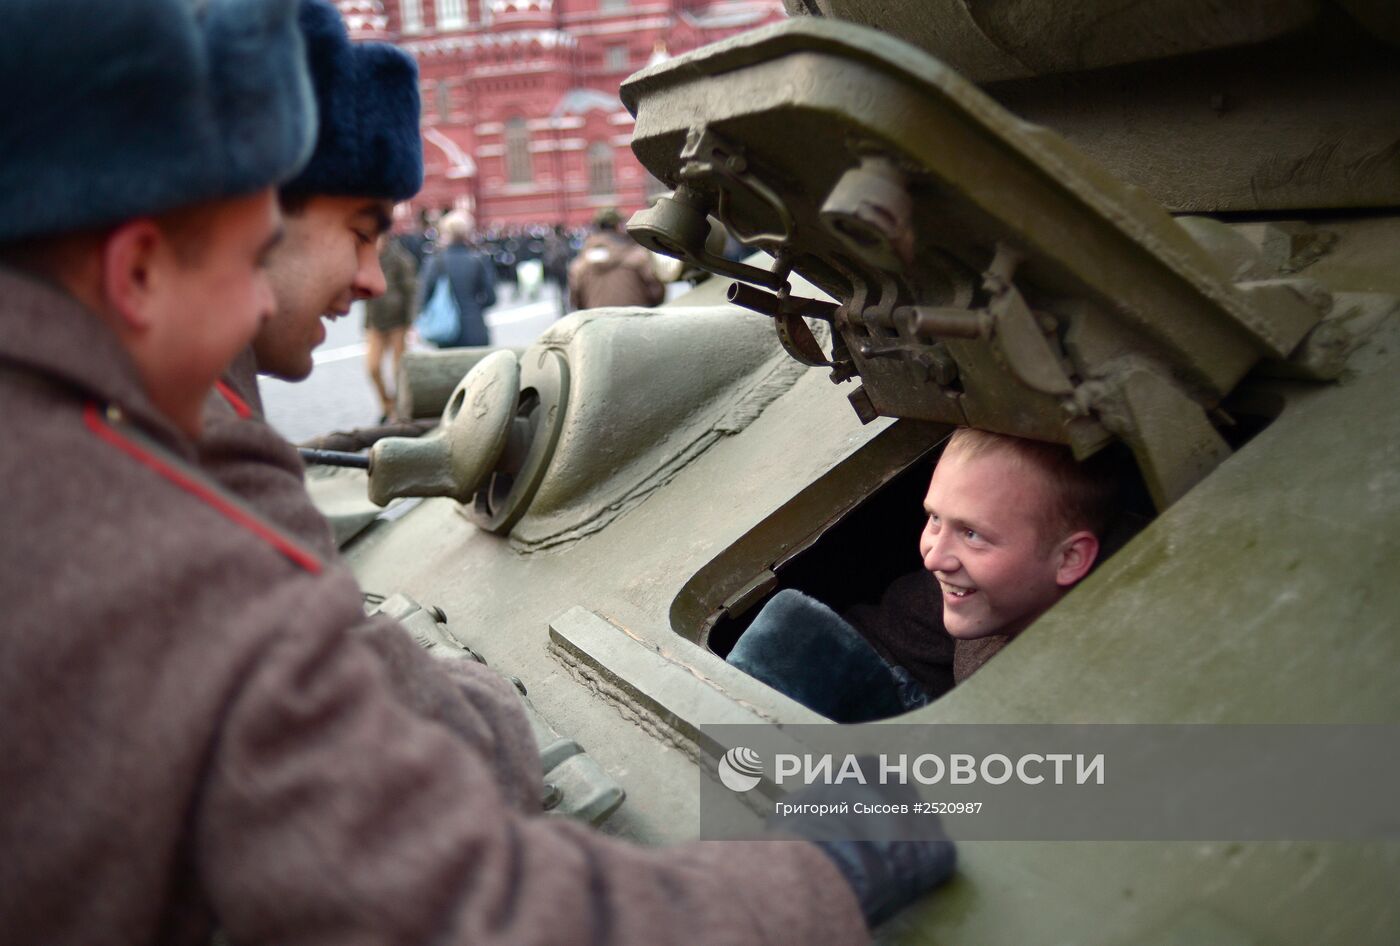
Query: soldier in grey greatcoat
200, 725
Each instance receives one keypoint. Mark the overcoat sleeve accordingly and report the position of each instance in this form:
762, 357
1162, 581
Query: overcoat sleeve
254, 463
251, 460
330, 814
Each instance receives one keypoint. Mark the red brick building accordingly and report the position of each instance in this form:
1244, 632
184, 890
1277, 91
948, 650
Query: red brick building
521, 119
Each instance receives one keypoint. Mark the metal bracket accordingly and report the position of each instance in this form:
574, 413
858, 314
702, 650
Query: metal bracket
1169, 433
575, 786
1016, 332
870, 212
708, 161
787, 312
678, 226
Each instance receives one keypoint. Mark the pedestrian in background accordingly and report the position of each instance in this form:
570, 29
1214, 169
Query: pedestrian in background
387, 319
469, 277
612, 270
418, 242
557, 255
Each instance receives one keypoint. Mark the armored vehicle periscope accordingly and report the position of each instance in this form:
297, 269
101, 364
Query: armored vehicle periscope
1192, 256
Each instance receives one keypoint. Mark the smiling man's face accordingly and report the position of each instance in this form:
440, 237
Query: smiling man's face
328, 259
984, 543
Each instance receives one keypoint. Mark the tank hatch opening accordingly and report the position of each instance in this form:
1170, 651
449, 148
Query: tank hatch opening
854, 559
850, 541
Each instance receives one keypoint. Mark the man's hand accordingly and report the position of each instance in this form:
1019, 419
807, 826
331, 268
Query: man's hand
886, 870
887, 876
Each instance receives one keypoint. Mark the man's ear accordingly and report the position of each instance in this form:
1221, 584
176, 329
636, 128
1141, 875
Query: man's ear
1075, 556
131, 258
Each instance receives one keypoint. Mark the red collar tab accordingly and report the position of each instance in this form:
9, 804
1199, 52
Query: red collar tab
103, 424
240, 406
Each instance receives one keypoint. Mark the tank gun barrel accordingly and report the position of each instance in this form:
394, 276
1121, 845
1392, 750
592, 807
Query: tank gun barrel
358, 461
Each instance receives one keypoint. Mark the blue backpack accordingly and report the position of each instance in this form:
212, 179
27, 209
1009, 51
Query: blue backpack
440, 322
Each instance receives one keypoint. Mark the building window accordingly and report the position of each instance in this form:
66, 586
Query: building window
444, 101
617, 59
412, 12
610, 6
517, 152
425, 94
451, 14
600, 168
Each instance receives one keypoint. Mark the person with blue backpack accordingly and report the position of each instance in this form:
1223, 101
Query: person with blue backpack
455, 289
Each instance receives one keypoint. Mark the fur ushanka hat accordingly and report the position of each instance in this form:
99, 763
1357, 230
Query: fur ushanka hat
110, 111
368, 144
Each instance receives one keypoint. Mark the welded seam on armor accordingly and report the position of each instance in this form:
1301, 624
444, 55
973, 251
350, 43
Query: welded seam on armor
626, 705
775, 382
677, 662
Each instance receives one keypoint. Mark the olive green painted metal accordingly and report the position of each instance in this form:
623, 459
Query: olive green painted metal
538, 444
718, 378
574, 785
456, 459
341, 495
1243, 106
960, 242
428, 378
725, 586
1013, 39
695, 463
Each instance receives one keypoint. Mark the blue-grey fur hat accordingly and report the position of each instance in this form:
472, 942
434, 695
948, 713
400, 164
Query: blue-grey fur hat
119, 110
367, 95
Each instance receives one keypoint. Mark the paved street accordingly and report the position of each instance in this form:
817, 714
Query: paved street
338, 395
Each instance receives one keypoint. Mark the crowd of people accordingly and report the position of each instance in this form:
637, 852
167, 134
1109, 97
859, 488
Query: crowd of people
522, 258
587, 267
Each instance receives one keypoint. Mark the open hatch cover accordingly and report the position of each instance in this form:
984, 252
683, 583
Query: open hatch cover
988, 274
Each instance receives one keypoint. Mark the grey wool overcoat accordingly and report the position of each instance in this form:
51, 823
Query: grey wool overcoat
201, 728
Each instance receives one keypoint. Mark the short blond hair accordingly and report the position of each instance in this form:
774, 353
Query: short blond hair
1085, 495
457, 227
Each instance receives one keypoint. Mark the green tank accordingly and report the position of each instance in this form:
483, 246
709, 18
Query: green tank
1166, 229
